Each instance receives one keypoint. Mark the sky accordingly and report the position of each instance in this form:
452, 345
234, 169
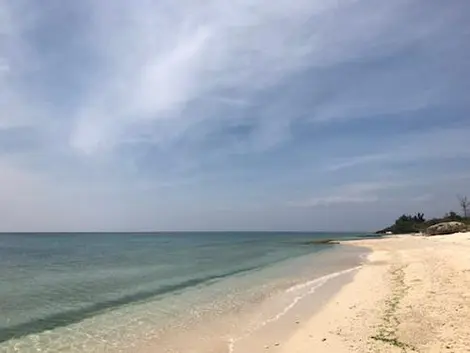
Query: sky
146, 115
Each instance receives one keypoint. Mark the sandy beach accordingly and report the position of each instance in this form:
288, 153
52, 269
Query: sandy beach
412, 295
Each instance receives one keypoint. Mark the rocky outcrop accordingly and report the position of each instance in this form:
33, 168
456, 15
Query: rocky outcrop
446, 228
322, 241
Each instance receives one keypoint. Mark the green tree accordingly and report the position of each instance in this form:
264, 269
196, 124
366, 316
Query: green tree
407, 224
452, 216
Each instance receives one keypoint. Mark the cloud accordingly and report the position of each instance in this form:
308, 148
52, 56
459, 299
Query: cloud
241, 46
354, 193
398, 191
357, 161
422, 198
21, 103
340, 199
214, 96
151, 61
429, 145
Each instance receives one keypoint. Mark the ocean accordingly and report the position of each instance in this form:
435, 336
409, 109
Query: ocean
157, 292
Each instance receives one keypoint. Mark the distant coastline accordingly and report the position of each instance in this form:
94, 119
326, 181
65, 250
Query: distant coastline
408, 224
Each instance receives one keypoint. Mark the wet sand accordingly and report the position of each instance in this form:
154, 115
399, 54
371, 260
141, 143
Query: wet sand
413, 295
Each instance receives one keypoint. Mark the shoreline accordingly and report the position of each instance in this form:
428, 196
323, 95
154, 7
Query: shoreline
412, 294
389, 294
316, 294
276, 318
251, 309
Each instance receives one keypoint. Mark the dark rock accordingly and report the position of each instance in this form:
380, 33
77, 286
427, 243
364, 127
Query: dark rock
321, 241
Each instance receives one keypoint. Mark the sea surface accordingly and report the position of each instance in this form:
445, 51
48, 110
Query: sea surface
131, 292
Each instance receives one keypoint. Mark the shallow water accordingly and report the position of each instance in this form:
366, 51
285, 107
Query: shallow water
132, 292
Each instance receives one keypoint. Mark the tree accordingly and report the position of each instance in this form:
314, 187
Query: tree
452, 216
406, 224
419, 218
464, 204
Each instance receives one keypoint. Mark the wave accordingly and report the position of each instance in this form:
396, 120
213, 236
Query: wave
312, 286
69, 317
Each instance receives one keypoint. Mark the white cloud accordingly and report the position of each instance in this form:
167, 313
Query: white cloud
160, 56
340, 199
430, 145
152, 59
357, 161
100, 76
19, 105
354, 193
422, 198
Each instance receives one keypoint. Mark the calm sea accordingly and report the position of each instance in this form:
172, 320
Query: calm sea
113, 292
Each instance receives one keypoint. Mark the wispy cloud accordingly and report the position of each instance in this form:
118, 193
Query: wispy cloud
153, 60
422, 198
355, 193
418, 146
357, 161
220, 95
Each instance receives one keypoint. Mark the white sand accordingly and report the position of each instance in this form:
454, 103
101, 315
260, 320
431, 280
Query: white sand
412, 295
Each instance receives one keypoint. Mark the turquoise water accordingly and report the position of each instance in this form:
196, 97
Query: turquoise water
71, 292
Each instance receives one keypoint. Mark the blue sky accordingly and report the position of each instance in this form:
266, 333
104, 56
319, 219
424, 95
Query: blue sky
245, 114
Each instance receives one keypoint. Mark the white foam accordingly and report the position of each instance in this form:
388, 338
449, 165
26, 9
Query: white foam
322, 279
312, 286
364, 257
